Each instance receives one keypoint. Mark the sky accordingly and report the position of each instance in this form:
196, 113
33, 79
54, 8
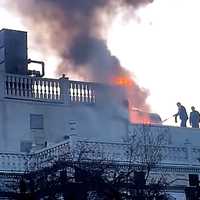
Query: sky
160, 45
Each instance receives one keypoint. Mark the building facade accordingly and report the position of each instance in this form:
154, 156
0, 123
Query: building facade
42, 119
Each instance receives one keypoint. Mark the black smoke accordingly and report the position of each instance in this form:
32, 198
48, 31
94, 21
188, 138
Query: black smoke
75, 30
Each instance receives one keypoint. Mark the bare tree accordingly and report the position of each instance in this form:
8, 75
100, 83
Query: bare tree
144, 152
97, 174
144, 146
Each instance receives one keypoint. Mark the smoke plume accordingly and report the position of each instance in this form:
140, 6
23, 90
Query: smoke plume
75, 30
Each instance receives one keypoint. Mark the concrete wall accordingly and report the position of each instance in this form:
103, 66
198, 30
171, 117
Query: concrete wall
104, 120
175, 135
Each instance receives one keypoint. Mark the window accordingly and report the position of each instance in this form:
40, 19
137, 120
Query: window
36, 121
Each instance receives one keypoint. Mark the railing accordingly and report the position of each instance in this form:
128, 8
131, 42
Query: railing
195, 154
121, 152
88, 150
47, 157
13, 162
81, 92
50, 90
34, 88
177, 154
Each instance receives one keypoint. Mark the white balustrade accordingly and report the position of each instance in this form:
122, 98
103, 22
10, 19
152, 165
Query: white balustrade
48, 156
195, 155
89, 150
13, 162
120, 152
43, 89
177, 154
81, 92
33, 88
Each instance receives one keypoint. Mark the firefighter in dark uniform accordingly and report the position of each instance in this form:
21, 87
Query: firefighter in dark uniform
194, 118
182, 115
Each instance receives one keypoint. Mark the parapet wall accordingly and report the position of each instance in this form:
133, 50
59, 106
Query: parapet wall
60, 90
38, 110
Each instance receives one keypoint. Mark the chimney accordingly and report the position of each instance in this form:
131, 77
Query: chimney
13, 52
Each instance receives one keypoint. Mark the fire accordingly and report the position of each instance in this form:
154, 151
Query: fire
139, 117
123, 81
136, 115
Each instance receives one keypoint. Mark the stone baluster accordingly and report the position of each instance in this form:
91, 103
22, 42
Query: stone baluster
7, 162
49, 96
70, 92
31, 87
25, 87
56, 88
90, 94
41, 89
77, 92
86, 93
52, 90
93, 96
36, 89
13, 85
73, 92
83, 93
45, 89
10, 85
17, 86
22, 87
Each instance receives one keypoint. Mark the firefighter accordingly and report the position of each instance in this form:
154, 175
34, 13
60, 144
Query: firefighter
182, 115
194, 118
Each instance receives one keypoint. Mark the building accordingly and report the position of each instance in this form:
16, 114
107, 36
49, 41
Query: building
41, 119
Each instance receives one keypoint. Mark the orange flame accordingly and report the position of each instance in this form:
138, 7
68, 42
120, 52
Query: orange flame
123, 81
135, 115
139, 117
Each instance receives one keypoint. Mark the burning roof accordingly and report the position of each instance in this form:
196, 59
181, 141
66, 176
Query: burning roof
75, 31
140, 117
